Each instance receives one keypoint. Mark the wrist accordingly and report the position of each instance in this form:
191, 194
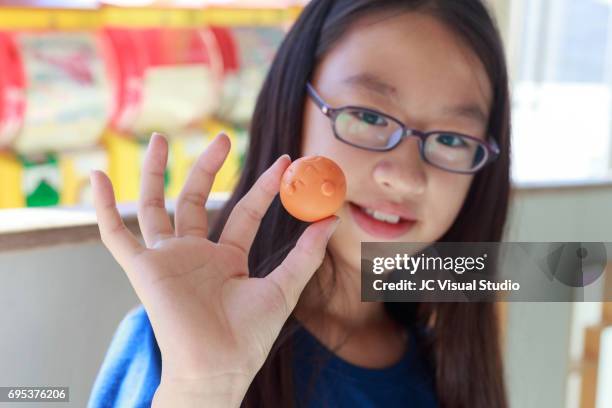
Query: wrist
221, 391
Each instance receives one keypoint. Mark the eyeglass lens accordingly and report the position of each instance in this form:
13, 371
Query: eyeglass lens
374, 131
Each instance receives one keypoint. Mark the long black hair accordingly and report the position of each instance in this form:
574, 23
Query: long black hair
464, 345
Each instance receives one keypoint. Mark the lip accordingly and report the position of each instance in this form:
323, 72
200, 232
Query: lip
390, 208
380, 229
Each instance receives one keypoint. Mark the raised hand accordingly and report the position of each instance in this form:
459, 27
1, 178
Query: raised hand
213, 323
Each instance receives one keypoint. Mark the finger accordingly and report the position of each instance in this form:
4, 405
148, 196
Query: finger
152, 215
292, 275
190, 213
244, 220
115, 235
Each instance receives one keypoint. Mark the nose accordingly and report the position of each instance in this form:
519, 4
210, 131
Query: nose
401, 170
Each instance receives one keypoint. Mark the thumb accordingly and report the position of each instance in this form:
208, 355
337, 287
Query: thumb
292, 275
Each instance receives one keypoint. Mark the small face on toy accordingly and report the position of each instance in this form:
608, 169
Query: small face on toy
312, 188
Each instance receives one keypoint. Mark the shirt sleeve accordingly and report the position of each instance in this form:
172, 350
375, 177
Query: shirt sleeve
130, 372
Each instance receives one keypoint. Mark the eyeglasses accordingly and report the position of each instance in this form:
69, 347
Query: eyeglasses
375, 131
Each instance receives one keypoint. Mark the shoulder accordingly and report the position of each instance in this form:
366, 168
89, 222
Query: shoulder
130, 372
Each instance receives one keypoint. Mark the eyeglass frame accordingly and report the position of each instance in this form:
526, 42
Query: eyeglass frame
491, 147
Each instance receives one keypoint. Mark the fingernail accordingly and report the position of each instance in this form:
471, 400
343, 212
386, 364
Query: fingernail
285, 156
92, 175
333, 227
153, 136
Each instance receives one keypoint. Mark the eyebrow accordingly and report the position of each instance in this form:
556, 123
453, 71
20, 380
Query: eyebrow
373, 83
470, 111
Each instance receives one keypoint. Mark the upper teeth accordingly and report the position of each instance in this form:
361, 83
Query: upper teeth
381, 216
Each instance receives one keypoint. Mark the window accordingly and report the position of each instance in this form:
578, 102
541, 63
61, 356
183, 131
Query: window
561, 67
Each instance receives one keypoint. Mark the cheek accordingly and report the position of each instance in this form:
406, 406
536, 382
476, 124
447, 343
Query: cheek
446, 194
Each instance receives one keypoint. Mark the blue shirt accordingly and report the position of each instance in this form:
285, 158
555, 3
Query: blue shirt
131, 372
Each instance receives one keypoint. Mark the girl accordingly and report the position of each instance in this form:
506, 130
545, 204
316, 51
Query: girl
410, 98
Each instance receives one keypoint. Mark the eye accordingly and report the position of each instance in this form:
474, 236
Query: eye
451, 140
370, 118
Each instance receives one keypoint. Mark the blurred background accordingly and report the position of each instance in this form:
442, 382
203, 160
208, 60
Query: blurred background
84, 83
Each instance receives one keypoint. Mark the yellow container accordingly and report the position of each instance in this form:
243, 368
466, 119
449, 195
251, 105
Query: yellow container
11, 175
16, 18
75, 168
125, 158
185, 150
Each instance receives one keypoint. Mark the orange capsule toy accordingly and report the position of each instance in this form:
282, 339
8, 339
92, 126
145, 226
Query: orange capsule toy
312, 188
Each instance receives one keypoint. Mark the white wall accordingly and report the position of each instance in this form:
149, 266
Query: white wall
59, 308
540, 335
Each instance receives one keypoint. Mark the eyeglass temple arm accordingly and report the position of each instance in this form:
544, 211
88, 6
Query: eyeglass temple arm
494, 146
325, 108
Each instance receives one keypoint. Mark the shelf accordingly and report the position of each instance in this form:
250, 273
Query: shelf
23, 18
28, 228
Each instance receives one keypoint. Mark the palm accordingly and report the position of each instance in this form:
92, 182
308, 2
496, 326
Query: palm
215, 312
208, 316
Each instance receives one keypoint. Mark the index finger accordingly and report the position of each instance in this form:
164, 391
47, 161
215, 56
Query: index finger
244, 220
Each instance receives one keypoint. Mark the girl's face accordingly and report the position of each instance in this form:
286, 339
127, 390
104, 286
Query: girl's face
415, 69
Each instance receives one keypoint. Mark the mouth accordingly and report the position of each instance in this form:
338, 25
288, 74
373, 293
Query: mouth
380, 224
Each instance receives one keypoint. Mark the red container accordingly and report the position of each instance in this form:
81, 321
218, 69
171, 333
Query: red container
12, 99
168, 79
127, 61
247, 54
66, 89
